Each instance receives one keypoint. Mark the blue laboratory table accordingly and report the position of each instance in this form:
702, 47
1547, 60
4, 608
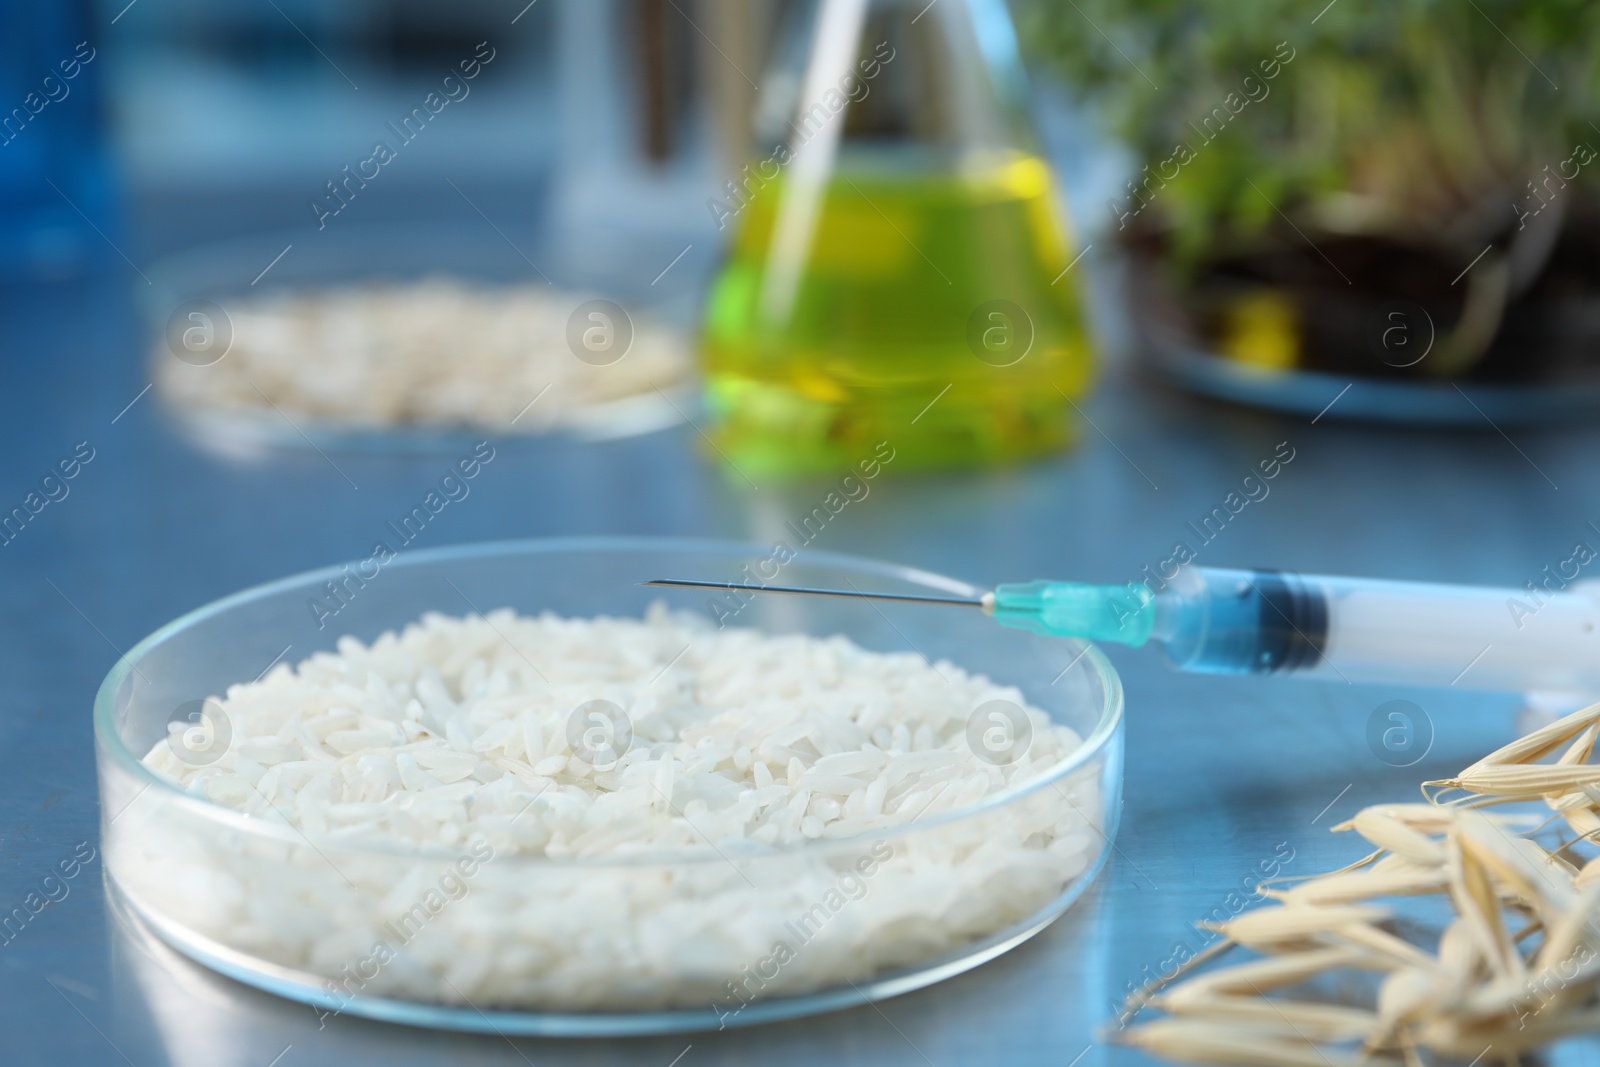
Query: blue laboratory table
1223, 773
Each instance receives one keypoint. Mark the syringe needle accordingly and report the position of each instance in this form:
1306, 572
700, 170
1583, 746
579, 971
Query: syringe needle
975, 602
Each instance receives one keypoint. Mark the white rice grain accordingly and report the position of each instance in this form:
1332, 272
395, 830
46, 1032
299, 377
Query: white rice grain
731, 745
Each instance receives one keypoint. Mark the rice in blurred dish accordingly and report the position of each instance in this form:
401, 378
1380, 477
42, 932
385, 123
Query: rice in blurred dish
434, 353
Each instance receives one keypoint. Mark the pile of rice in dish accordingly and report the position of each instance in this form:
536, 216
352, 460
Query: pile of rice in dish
435, 352
604, 814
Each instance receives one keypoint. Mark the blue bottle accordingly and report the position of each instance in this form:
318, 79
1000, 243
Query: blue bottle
56, 188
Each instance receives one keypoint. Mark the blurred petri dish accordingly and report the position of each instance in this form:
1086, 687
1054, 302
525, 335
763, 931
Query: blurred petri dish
202, 298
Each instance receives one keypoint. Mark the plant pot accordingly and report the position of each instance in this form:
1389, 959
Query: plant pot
1394, 332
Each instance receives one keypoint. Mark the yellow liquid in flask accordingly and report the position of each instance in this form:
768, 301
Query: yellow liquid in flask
931, 313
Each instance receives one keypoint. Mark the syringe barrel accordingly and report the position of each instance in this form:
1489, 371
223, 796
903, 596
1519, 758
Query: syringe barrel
1362, 630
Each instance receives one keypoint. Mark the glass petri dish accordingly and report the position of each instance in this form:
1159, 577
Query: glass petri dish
223, 279
647, 943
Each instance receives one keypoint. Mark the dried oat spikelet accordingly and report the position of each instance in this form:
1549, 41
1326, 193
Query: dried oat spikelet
1542, 741
1405, 997
1258, 976
1516, 780
1484, 987
1286, 1018
1231, 1043
1411, 881
1284, 928
1384, 828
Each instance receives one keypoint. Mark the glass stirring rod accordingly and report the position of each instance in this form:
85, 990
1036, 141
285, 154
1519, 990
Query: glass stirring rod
1219, 621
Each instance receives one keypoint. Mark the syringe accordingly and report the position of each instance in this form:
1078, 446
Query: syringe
1219, 621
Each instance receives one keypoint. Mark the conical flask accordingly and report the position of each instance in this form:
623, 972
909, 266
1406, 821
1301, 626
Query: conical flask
900, 269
